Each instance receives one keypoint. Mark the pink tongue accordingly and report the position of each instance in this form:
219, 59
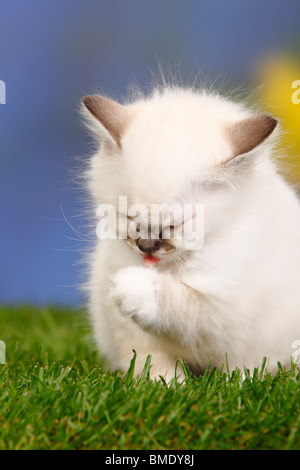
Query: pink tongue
151, 260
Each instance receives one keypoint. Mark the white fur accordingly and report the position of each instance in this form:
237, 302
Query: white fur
240, 294
135, 292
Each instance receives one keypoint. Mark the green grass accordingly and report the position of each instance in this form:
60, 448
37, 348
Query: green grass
55, 395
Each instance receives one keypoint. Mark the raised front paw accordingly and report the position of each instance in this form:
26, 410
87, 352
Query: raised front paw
135, 292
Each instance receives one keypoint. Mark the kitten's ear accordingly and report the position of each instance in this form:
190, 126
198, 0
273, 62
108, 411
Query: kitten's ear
247, 134
113, 116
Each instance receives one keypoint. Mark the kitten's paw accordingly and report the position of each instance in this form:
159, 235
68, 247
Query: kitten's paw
135, 292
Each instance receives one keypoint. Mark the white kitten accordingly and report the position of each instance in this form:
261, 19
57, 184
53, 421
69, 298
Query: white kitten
239, 295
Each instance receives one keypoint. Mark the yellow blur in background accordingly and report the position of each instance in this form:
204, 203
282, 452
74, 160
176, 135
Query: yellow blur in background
280, 95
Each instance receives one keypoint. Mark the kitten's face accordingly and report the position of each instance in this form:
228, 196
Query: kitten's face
169, 230
178, 147
152, 232
146, 244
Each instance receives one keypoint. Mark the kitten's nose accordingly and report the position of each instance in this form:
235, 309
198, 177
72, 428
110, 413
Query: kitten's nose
148, 245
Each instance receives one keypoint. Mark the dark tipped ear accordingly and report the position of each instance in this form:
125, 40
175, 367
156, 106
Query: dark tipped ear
247, 134
113, 116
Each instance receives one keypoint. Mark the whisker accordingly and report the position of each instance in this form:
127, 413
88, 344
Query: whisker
81, 236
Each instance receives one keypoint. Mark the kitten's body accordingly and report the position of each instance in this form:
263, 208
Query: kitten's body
239, 295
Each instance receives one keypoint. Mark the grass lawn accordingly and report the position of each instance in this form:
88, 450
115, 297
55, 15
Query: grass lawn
55, 395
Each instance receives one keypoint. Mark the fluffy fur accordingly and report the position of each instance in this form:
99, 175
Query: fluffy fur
239, 295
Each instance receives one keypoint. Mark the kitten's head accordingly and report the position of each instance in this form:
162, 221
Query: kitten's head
176, 148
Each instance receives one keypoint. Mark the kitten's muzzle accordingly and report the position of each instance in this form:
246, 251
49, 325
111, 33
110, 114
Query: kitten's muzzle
148, 246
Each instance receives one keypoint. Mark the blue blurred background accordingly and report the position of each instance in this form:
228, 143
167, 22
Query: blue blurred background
54, 52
